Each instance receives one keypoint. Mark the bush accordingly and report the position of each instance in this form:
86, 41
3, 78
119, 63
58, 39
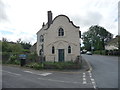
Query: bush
108, 52
54, 65
32, 57
101, 52
61, 65
13, 59
34, 65
17, 62
5, 56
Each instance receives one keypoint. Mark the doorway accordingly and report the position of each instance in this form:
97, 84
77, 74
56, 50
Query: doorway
61, 55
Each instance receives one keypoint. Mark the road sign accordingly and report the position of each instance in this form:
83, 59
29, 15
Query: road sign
22, 56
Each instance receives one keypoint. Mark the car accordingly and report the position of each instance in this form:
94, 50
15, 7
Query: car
89, 53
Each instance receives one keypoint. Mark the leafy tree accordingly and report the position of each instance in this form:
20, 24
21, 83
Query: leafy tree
5, 45
96, 37
25, 45
16, 48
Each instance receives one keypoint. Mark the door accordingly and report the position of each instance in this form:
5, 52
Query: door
61, 55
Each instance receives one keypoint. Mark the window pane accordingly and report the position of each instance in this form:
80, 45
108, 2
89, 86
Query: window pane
69, 49
61, 32
40, 52
41, 38
53, 50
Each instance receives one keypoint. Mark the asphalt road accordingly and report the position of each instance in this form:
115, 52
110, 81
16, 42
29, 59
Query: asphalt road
17, 77
105, 70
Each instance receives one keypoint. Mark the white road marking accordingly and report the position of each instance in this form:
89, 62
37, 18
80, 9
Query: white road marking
42, 74
83, 73
84, 82
11, 73
92, 80
90, 74
28, 71
45, 74
84, 76
59, 81
89, 71
84, 79
94, 86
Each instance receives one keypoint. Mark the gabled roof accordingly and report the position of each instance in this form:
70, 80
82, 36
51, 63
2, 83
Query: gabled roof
55, 19
67, 18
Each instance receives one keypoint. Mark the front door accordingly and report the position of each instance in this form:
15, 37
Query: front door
61, 55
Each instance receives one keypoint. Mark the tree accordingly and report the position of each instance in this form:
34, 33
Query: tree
96, 37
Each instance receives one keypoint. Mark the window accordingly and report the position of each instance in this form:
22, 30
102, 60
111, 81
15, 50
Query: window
42, 46
61, 32
69, 49
40, 53
41, 38
53, 49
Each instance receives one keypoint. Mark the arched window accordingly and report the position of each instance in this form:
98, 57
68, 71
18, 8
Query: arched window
42, 46
53, 49
41, 38
69, 49
40, 53
61, 32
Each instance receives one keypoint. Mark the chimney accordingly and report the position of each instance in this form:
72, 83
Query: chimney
43, 24
49, 18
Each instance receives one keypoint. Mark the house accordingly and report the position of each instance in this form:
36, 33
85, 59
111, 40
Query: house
113, 44
59, 39
33, 48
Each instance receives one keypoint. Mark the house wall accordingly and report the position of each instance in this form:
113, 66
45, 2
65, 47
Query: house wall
51, 38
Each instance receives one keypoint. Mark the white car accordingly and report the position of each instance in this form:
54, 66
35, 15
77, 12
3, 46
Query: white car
89, 53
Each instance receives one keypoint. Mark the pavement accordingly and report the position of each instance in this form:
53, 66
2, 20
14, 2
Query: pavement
20, 77
104, 70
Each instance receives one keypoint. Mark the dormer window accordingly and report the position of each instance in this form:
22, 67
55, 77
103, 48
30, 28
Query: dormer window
41, 38
61, 32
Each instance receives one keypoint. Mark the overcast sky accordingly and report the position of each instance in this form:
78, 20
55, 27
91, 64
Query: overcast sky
23, 18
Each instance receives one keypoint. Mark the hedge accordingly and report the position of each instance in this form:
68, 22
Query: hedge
108, 52
54, 65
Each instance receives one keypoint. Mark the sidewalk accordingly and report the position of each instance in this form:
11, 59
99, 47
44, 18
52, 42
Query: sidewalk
85, 67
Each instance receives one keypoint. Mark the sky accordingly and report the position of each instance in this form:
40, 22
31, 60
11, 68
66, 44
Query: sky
22, 19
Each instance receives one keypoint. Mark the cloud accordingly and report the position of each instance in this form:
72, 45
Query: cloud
26, 16
119, 18
90, 18
5, 32
3, 15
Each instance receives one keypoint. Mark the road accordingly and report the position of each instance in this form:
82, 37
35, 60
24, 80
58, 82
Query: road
105, 70
17, 77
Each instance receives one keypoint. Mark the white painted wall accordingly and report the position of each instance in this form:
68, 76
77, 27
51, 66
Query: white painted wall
51, 38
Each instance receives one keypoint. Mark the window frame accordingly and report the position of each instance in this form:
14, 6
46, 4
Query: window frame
69, 49
41, 38
53, 50
40, 52
61, 32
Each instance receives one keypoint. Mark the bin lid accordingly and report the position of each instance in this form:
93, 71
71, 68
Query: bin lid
22, 56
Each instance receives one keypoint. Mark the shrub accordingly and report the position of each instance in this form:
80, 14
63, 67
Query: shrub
5, 56
101, 52
61, 65
32, 57
34, 65
17, 62
13, 59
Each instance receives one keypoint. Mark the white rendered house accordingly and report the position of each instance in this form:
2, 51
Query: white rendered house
59, 39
